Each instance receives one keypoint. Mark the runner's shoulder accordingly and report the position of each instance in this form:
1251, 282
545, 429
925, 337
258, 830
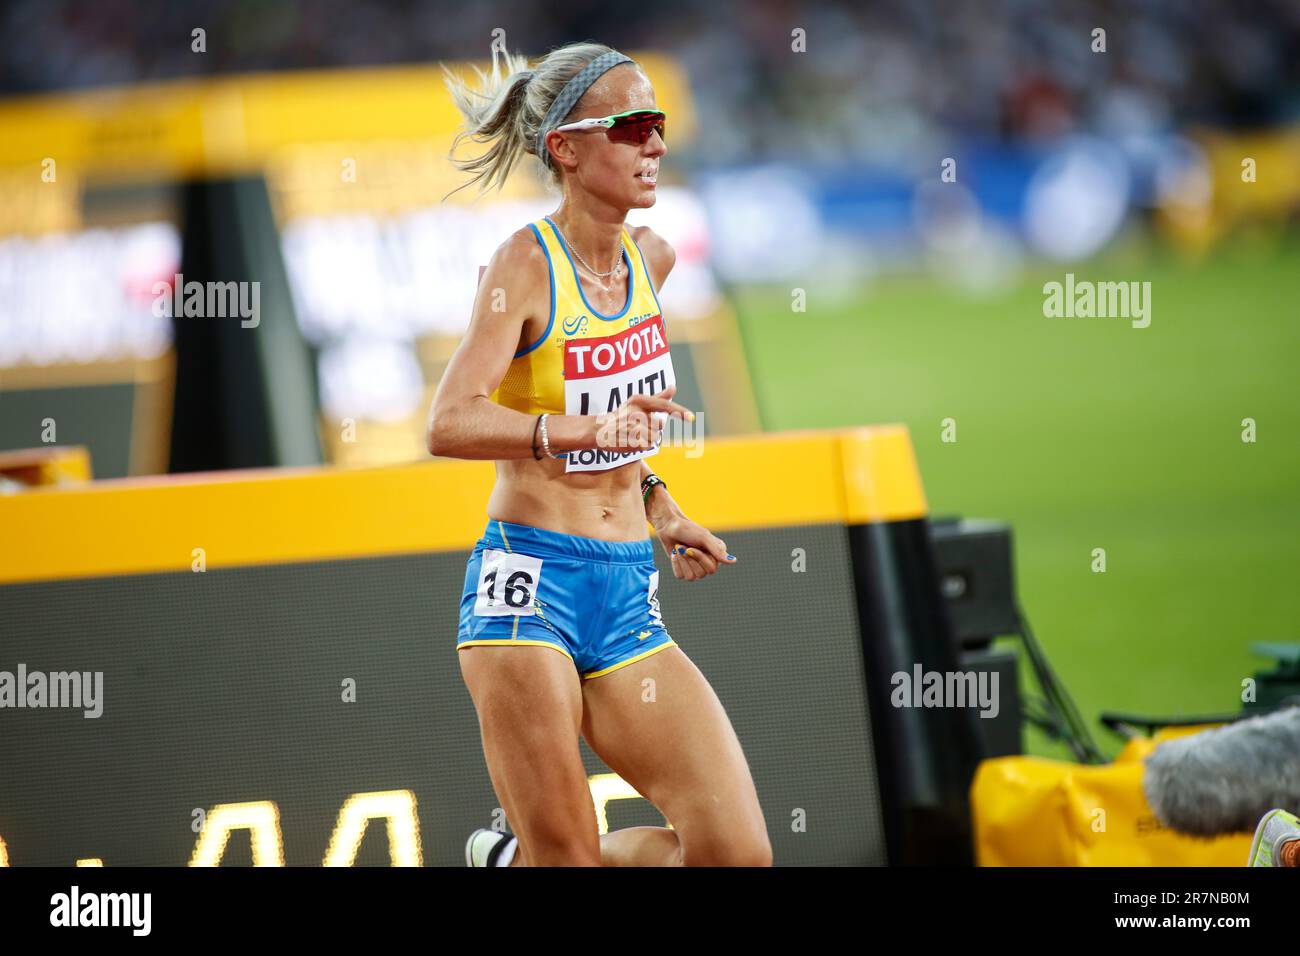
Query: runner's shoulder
658, 253
522, 254
519, 268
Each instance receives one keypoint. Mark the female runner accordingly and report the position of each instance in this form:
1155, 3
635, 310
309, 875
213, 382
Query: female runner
564, 378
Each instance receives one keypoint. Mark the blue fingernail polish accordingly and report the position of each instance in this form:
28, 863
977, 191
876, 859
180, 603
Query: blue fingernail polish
730, 556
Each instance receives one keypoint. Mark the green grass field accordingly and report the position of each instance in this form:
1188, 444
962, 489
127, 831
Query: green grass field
1083, 434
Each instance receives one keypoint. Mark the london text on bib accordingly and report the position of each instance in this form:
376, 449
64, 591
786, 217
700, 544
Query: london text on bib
601, 373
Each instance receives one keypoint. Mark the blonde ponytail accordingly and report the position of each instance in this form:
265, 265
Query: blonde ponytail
506, 108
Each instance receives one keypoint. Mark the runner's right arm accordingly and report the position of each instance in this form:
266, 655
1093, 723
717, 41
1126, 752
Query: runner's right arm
463, 420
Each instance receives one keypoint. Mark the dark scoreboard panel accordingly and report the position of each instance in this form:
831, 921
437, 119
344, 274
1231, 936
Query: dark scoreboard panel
99, 416
228, 687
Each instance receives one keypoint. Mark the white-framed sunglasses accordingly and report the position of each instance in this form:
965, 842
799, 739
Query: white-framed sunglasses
631, 126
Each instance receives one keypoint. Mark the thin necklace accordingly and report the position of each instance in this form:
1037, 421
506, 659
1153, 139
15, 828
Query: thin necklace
618, 263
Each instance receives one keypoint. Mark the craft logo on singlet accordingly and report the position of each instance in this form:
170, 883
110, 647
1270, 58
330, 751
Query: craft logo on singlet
602, 372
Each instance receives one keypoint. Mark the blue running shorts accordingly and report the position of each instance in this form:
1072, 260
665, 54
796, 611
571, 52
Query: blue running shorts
597, 602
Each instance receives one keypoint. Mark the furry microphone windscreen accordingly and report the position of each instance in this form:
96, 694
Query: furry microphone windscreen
1223, 780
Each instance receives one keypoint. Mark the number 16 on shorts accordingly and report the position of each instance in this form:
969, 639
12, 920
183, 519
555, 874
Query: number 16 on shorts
507, 584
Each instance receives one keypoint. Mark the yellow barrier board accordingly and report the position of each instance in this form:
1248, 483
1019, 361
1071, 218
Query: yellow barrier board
236, 123
138, 525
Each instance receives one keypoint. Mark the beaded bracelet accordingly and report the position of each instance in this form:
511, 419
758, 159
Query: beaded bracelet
546, 440
648, 485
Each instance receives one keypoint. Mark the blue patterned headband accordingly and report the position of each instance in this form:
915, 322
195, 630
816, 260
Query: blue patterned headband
578, 84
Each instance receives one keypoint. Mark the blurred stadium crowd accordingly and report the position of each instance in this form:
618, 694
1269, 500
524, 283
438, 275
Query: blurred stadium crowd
970, 140
879, 82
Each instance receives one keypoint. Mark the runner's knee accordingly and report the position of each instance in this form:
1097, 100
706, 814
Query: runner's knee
721, 848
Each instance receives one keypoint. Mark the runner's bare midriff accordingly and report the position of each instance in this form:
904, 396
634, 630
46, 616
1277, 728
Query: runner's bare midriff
605, 505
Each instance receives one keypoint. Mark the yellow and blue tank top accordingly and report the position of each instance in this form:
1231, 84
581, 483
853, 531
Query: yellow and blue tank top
587, 363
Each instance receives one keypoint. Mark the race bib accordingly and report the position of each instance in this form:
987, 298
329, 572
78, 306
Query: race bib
601, 373
507, 584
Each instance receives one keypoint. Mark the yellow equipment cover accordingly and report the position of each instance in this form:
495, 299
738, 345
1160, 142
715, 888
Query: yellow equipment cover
1031, 811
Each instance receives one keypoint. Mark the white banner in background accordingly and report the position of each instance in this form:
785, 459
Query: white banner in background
85, 296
